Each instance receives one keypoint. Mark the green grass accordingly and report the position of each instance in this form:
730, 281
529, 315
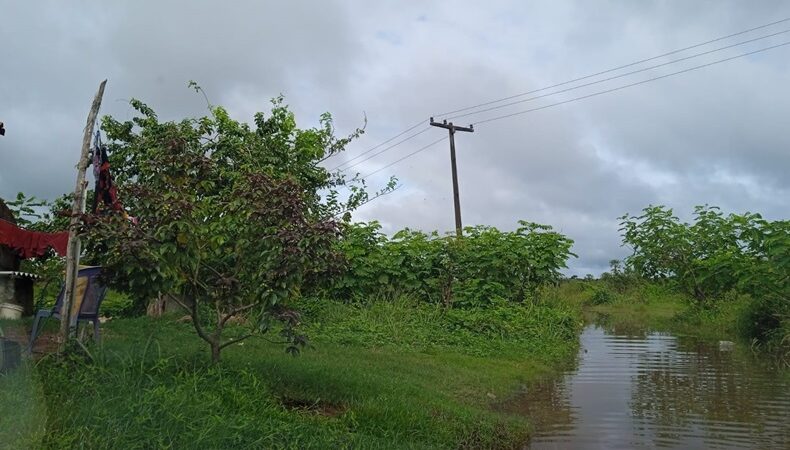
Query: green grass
389, 375
631, 310
644, 306
500, 329
22, 410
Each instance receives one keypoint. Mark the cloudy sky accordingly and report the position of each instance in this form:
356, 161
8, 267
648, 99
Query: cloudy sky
717, 135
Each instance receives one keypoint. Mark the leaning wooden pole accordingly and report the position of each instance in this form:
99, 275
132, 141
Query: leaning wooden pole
77, 209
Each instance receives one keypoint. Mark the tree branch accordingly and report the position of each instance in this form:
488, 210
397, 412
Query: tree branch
196, 323
234, 341
216, 272
235, 311
195, 318
180, 303
378, 195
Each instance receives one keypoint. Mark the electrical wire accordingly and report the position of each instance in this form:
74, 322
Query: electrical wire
564, 83
380, 152
405, 157
613, 69
595, 94
633, 84
592, 83
369, 200
376, 146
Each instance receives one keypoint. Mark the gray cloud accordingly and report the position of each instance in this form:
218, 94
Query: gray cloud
712, 136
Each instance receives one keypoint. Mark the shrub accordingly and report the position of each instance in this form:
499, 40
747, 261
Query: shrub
717, 255
484, 266
118, 304
601, 296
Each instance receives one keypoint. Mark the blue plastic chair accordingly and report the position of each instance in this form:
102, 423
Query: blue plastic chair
89, 309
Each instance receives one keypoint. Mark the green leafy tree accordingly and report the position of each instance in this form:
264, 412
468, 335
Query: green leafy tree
767, 280
717, 254
229, 219
28, 210
660, 243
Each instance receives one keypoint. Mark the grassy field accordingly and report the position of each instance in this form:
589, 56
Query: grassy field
384, 375
390, 375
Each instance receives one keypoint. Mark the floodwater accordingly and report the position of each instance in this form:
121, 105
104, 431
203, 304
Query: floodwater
637, 389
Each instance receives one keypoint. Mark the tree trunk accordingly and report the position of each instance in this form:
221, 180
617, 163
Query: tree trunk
214, 339
215, 349
157, 306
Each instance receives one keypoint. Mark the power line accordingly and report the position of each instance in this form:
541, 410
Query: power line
585, 97
633, 84
382, 194
614, 69
569, 89
405, 157
493, 108
555, 86
379, 152
377, 146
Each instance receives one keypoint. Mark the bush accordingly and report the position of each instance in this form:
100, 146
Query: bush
766, 319
118, 304
601, 296
484, 266
715, 257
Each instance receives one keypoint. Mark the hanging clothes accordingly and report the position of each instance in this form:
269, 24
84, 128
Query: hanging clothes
105, 194
30, 244
96, 157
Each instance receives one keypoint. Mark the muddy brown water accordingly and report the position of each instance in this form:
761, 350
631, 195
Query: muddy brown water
637, 389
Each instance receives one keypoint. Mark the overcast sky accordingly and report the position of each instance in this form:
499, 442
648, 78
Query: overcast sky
718, 135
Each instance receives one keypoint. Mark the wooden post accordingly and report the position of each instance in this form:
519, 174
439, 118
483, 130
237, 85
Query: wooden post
77, 208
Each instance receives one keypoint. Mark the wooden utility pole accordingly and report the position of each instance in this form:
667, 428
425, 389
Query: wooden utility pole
77, 209
456, 199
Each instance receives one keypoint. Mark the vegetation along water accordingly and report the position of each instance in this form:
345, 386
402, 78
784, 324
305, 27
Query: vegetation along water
290, 326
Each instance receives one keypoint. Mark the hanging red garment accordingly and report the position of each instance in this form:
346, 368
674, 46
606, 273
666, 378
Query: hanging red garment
105, 194
30, 244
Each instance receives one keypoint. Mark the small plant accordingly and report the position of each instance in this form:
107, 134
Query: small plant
601, 296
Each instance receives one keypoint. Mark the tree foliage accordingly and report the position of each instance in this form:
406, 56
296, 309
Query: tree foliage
714, 255
228, 218
486, 264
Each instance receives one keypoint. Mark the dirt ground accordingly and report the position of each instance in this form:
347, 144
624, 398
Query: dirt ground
46, 342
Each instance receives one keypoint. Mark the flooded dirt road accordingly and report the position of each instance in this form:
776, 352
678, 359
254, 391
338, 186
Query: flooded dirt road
640, 389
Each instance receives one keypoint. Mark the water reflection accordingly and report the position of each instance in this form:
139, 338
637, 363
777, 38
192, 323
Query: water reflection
723, 399
645, 389
545, 403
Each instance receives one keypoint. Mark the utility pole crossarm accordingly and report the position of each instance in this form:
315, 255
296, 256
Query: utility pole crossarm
451, 129
450, 126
